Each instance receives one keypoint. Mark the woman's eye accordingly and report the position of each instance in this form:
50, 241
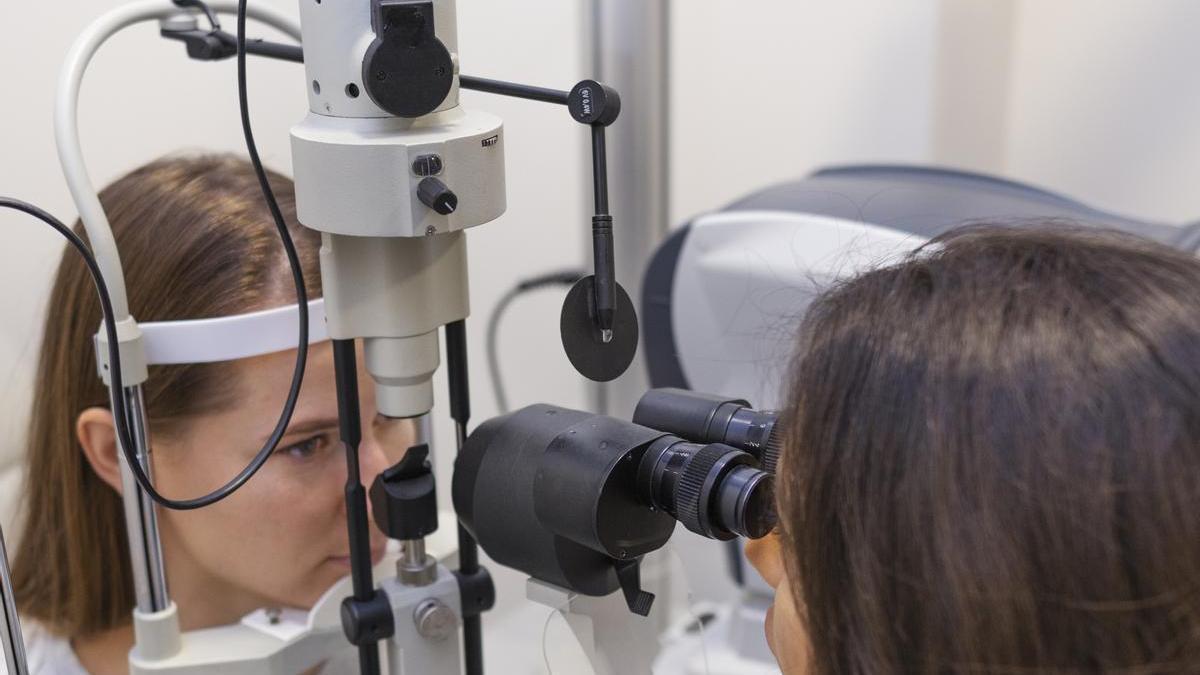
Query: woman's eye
305, 449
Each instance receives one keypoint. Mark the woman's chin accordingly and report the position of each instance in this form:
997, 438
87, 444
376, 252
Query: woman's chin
343, 562
768, 628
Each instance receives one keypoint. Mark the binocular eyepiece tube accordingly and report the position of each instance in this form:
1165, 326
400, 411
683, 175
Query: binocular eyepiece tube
702, 418
574, 499
715, 490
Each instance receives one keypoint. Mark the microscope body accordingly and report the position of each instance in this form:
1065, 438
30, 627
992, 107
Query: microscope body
380, 163
391, 170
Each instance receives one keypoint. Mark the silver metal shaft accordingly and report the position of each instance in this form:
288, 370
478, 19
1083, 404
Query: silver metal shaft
413, 552
10, 625
630, 42
141, 518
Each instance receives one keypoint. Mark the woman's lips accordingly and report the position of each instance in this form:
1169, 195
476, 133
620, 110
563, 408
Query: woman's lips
344, 560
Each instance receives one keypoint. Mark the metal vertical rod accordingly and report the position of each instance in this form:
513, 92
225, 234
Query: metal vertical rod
468, 548
10, 625
345, 366
630, 42
141, 516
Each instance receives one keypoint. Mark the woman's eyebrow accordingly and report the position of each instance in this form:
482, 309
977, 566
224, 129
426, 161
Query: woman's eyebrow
307, 426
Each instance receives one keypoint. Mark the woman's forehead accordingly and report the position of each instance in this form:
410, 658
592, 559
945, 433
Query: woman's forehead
258, 386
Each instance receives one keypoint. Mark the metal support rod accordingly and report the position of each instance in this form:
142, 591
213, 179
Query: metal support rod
10, 625
345, 364
412, 552
200, 45
630, 49
260, 47
468, 548
141, 515
514, 90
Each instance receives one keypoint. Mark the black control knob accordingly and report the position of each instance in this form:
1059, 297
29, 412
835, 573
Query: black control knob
433, 193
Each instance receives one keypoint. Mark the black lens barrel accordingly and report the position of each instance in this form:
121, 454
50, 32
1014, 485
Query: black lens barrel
703, 418
715, 490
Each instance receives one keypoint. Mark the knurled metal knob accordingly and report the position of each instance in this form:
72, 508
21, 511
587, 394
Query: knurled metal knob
435, 620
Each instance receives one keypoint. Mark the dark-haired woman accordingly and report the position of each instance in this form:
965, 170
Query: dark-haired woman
993, 463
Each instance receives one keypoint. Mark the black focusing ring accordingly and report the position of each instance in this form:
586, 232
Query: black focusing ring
690, 487
771, 450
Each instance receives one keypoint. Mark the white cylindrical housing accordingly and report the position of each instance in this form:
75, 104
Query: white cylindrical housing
403, 371
393, 267
356, 176
157, 636
396, 292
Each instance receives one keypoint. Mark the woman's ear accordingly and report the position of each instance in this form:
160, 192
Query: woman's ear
98, 437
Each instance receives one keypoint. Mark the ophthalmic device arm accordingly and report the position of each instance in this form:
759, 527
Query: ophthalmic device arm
599, 322
393, 261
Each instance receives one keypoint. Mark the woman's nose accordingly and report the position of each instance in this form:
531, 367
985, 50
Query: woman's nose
372, 461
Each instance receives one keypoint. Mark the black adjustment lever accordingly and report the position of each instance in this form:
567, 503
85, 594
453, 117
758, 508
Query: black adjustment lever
216, 45
598, 322
629, 574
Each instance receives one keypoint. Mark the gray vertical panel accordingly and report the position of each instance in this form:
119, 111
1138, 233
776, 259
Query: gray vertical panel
629, 41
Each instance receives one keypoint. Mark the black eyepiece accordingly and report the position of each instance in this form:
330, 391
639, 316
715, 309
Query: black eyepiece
711, 419
715, 490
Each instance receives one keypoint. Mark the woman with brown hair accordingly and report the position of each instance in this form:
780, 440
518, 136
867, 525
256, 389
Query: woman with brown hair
197, 241
993, 463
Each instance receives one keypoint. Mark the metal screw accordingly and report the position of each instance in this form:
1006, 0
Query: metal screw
435, 620
430, 231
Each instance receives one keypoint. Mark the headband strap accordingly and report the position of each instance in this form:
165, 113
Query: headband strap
227, 338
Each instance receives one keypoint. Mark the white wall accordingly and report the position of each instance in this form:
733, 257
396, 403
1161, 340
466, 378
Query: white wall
1104, 103
1093, 98
766, 91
